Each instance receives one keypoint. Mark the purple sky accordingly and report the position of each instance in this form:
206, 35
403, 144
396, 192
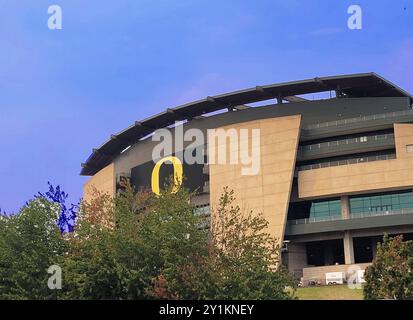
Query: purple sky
63, 92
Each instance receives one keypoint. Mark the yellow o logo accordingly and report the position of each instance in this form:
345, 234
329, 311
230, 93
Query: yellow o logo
178, 174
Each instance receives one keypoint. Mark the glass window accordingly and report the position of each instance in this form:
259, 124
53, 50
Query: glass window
357, 203
381, 202
405, 198
321, 207
357, 210
386, 200
395, 199
327, 208
335, 207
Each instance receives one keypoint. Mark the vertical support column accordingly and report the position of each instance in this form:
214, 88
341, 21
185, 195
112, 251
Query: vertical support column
348, 248
297, 258
348, 239
345, 207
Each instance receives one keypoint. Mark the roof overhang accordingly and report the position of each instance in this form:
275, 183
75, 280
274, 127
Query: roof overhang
351, 86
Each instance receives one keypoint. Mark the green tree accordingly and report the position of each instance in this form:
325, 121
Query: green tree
241, 262
121, 247
30, 242
390, 276
173, 236
141, 246
104, 259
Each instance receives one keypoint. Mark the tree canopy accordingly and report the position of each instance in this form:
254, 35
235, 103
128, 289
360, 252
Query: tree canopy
142, 246
390, 276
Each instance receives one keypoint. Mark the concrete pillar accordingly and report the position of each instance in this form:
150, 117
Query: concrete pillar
348, 248
297, 258
348, 239
345, 207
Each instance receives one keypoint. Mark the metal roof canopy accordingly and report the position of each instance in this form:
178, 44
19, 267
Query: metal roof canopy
351, 86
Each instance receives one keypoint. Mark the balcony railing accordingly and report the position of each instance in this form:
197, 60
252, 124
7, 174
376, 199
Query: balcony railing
346, 162
336, 143
358, 119
314, 219
380, 213
352, 216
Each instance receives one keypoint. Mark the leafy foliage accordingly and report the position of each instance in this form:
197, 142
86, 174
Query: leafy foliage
390, 276
139, 246
104, 260
120, 247
30, 243
242, 261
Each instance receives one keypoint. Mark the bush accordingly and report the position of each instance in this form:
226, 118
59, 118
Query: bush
390, 276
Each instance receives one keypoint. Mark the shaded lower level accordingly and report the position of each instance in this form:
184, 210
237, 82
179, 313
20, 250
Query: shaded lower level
334, 250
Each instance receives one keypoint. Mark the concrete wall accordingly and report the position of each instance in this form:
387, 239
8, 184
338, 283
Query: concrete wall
404, 136
268, 191
319, 273
104, 181
296, 258
363, 177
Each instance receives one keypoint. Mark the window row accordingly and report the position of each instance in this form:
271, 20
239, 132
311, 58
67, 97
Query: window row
381, 202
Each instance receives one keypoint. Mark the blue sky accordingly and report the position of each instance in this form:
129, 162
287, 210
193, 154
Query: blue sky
63, 92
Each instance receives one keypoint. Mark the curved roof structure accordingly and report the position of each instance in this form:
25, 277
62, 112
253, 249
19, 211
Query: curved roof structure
351, 86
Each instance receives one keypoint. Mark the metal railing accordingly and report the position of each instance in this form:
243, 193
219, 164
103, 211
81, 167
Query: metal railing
363, 139
358, 119
346, 162
352, 216
314, 219
381, 213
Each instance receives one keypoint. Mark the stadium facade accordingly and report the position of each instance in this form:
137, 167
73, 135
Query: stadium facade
334, 175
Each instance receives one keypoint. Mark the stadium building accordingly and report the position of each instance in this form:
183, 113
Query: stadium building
335, 164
